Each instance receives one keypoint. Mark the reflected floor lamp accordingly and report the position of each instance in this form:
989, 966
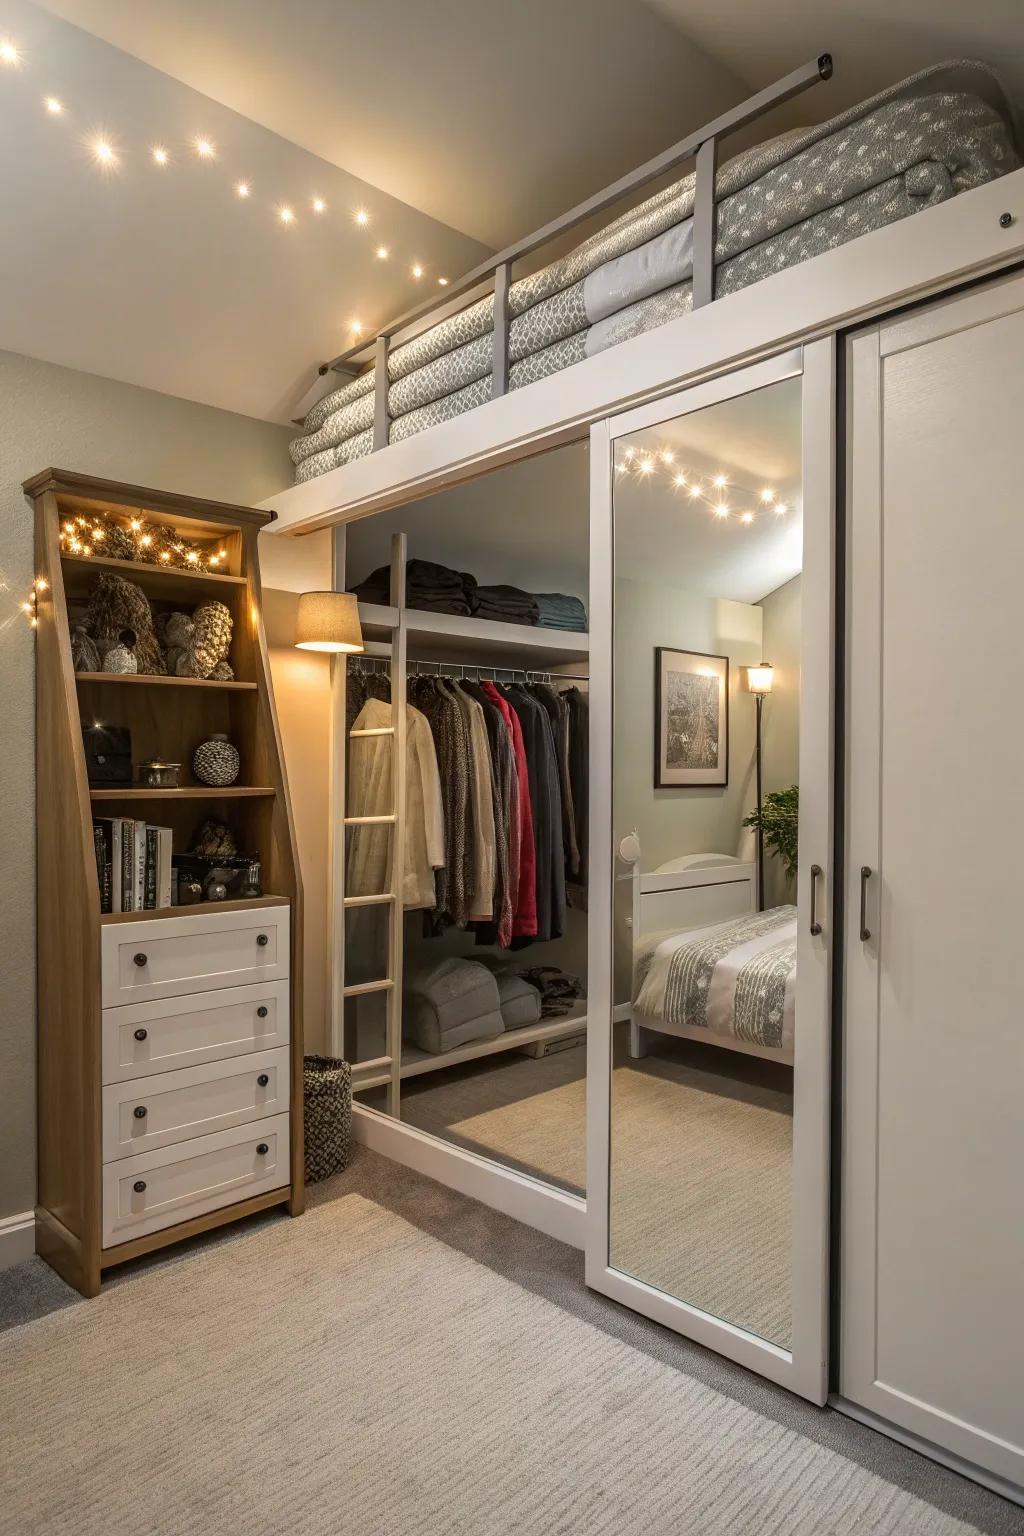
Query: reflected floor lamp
759, 683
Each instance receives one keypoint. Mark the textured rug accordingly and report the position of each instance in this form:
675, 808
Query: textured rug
349, 1373
700, 1182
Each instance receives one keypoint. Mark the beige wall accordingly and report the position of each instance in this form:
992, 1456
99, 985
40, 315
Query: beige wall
56, 416
781, 728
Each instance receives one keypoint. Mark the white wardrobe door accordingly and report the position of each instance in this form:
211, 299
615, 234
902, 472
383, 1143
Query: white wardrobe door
933, 1166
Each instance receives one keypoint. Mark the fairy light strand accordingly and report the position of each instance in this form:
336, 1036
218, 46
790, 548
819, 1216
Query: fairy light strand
725, 498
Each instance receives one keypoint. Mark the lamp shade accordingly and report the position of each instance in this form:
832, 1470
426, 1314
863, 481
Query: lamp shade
328, 621
759, 678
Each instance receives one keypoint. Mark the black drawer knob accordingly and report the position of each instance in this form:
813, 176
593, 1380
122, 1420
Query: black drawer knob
262, 1011
262, 1149
141, 1034
139, 1186
263, 1079
139, 1111
262, 940
141, 959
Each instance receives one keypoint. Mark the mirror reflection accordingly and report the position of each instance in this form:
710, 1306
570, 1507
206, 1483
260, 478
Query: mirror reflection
708, 541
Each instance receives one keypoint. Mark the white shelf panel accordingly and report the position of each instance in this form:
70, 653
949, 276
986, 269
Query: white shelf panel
415, 1062
450, 637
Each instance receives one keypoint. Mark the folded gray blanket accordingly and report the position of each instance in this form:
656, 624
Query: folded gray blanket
556, 610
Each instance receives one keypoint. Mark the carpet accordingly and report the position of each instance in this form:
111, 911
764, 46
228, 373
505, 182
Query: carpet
700, 1182
348, 1373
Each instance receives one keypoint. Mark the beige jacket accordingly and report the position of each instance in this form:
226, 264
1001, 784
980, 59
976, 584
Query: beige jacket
371, 793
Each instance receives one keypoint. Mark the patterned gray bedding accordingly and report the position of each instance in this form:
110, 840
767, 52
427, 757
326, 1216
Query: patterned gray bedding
736, 978
778, 204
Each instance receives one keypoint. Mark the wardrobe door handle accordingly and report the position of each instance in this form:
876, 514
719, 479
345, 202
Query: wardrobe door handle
815, 875
865, 876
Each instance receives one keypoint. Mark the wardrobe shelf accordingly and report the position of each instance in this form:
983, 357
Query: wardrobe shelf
186, 792
150, 680
149, 914
416, 1062
483, 642
169, 582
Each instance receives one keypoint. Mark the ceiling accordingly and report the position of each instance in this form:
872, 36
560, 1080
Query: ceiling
457, 125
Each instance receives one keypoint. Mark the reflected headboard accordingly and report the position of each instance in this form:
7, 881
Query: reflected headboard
690, 892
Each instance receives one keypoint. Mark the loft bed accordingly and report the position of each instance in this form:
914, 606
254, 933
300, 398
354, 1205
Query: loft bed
918, 144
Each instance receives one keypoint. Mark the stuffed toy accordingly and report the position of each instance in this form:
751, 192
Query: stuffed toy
197, 644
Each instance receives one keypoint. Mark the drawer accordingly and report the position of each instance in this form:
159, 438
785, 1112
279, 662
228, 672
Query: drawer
171, 1184
141, 1038
174, 956
177, 1106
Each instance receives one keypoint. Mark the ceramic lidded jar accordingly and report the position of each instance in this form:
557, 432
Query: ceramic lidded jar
215, 761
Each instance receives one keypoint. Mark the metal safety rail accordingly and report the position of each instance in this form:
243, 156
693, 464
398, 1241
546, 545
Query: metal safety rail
703, 145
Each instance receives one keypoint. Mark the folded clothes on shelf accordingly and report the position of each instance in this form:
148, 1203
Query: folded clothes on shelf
507, 605
428, 585
558, 990
556, 610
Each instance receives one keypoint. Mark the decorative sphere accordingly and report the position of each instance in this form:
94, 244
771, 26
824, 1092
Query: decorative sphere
216, 762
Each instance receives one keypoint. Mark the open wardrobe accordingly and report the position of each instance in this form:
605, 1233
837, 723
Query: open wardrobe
669, 915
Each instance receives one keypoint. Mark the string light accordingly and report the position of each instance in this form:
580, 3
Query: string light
679, 480
9, 54
205, 149
711, 489
667, 456
242, 188
356, 327
319, 206
747, 517
646, 467
286, 215
721, 510
361, 217
442, 282
719, 481
779, 508
53, 106
381, 253
417, 270
103, 152
134, 539
160, 155
767, 495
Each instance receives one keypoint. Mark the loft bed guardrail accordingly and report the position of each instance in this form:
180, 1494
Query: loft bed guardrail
701, 146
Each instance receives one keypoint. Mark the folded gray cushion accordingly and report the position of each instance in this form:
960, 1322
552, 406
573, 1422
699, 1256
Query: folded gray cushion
520, 1002
449, 1003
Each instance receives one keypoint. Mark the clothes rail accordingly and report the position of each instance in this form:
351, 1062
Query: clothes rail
459, 670
498, 268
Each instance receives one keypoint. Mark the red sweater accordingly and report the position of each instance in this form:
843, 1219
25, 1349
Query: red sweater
524, 920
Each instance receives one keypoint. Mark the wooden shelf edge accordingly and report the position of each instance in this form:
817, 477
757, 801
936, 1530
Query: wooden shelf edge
132, 568
149, 679
157, 914
184, 792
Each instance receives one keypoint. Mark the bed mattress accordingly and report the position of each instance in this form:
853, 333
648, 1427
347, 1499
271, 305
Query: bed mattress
778, 204
736, 978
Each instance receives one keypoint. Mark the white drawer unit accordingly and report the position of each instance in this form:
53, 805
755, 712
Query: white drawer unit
177, 1106
176, 956
174, 1184
162, 1036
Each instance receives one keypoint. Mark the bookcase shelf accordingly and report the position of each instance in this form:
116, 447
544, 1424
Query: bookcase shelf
167, 718
185, 792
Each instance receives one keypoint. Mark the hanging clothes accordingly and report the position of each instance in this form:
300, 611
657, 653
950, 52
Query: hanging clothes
524, 920
578, 707
485, 853
546, 801
371, 793
505, 802
452, 746
558, 714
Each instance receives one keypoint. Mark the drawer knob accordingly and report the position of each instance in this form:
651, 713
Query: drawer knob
263, 1079
139, 1111
262, 940
139, 1186
141, 1034
141, 958
262, 1011
262, 1149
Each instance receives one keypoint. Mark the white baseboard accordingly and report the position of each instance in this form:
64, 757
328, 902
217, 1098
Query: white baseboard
550, 1210
17, 1238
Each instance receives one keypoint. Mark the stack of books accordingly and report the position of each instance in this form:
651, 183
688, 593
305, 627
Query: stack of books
133, 864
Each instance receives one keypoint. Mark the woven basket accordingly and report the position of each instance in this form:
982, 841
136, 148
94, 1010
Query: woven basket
328, 1104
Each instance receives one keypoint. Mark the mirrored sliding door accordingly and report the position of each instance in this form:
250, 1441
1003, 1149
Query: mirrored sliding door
712, 520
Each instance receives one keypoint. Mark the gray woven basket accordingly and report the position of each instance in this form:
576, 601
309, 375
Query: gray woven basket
328, 1107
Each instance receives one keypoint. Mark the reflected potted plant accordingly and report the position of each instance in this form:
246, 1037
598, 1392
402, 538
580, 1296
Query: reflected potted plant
778, 820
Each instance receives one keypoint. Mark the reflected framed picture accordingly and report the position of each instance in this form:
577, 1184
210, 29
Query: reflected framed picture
691, 719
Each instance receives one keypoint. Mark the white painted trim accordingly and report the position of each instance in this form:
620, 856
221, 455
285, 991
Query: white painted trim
552, 1211
17, 1238
927, 1448
910, 260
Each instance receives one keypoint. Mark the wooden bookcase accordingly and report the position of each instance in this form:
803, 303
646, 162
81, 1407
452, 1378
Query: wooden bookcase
168, 717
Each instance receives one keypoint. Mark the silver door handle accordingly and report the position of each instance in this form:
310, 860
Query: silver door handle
865, 876
815, 873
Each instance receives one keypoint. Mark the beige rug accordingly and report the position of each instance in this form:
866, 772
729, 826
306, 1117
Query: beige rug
700, 1182
347, 1373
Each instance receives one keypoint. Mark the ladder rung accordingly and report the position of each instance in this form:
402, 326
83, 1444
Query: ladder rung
370, 821
379, 730
369, 901
361, 987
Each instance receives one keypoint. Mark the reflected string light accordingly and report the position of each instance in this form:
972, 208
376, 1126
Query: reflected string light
746, 504
319, 206
160, 155
54, 106
242, 189
9, 55
205, 149
286, 215
361, 217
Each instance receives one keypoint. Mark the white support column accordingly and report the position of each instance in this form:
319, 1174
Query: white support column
336, 811
398, 721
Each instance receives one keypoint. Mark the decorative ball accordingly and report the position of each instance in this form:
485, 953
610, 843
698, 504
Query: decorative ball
216, 761
216, 891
